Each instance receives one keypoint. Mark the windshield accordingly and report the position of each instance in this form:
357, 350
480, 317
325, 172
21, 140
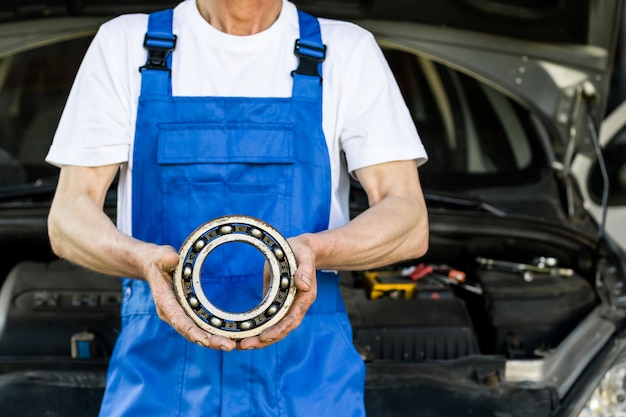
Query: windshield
475, 136
34, 85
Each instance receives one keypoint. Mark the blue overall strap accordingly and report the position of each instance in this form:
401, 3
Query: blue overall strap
311, 52
159, 42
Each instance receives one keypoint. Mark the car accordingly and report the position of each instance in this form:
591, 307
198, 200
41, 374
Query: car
518, 307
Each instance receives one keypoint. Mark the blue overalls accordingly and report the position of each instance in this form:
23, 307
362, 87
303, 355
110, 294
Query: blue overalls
197, 158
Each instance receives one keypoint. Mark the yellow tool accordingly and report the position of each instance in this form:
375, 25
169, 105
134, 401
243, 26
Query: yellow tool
388, 284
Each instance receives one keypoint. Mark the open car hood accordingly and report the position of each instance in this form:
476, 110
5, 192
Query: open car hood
546, 21
557, 21
551, 54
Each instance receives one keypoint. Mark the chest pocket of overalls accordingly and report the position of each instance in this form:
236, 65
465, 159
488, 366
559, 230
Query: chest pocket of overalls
211, 170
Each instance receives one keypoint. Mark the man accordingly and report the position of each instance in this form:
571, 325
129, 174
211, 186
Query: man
235, 127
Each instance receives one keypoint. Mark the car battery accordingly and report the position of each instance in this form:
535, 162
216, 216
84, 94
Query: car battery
531, 313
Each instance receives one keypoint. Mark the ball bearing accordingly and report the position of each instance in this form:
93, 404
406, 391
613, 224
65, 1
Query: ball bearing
282, 266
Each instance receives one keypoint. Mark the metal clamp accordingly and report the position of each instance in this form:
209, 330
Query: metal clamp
277, 299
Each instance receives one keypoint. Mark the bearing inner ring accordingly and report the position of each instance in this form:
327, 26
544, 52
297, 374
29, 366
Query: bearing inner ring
276, 300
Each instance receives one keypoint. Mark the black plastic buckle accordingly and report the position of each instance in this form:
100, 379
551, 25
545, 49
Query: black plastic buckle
310, 57
159, 48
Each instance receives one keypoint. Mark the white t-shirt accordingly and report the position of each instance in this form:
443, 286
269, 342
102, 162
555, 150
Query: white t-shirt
364, 114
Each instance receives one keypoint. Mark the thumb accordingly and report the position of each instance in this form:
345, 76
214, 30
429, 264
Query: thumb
168, 259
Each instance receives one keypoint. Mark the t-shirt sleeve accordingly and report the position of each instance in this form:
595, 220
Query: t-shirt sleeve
377, 125
95, 126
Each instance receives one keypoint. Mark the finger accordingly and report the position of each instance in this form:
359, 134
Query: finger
305, 272
280, 330
170, 311
190, 331
271, 335
306, 283
303, 282
292, 319
168, 259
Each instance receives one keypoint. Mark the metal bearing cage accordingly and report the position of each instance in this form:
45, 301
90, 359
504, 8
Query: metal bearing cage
276, 301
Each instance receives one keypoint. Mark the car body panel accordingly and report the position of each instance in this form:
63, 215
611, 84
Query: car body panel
15, 37
610, 213
549, 78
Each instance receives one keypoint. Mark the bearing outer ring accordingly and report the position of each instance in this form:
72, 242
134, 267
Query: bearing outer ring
278, 297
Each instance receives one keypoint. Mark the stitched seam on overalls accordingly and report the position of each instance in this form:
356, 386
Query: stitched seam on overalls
181, 380
280, 403
349, 343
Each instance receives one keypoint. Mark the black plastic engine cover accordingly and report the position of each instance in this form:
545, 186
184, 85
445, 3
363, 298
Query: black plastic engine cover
43, 305
526, 316
413, 329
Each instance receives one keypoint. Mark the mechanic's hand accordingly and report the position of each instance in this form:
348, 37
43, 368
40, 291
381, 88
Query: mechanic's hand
159, 277
306, 285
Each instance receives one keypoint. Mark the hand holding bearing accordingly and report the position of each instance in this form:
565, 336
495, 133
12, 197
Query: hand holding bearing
277, 299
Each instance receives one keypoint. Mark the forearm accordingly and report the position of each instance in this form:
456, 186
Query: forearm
393, 230
82, 233
85, 236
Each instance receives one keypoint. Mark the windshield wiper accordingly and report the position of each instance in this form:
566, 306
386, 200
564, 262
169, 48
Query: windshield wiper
358, 200
463, 202
40, 187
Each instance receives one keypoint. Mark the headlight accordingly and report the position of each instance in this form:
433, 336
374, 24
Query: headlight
609, 397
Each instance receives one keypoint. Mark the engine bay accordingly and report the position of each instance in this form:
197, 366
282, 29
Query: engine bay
473, 318
403, 313
428, 311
